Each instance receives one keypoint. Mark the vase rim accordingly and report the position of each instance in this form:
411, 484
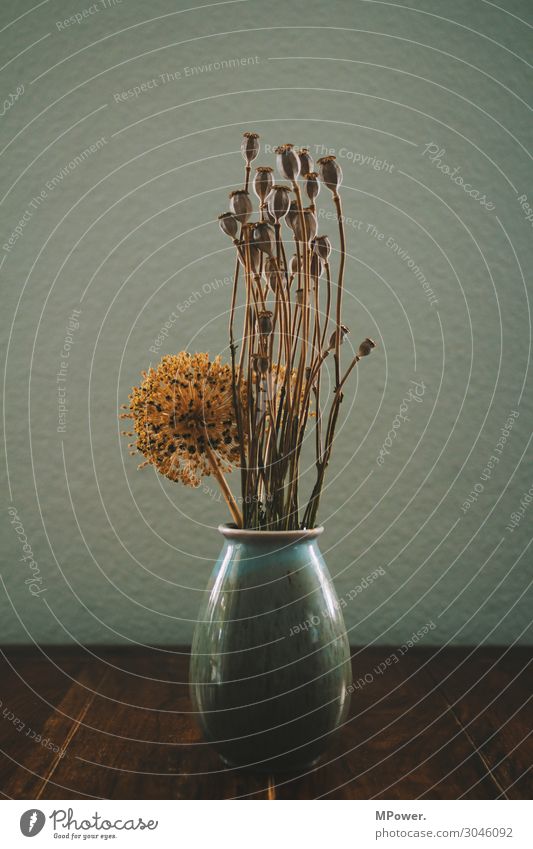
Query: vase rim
231, 531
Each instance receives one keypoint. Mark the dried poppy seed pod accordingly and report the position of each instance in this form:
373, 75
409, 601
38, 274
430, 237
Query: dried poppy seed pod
333, 338
229, 224
263, 182
306, 160
312, 185
264, 323
293, 217
250, 146
317, 266
271, 280
255, 257
271, 273
267, 215
287, 161
322, 246
293, 265
270, 266
311, 224
241, 205
279, 201
260, 364
365, 348
331, 173
264, 237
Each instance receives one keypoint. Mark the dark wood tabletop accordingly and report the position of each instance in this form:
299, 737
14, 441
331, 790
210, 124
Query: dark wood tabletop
117, 723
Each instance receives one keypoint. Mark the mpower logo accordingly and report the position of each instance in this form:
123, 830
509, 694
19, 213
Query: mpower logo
31, 822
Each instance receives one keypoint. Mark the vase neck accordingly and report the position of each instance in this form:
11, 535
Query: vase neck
269, 539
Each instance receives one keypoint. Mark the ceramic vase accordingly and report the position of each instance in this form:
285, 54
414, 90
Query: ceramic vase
270, 663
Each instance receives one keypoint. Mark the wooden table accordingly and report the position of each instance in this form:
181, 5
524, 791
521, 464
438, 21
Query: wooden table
438, 724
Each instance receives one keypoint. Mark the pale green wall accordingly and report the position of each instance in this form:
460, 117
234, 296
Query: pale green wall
131, 232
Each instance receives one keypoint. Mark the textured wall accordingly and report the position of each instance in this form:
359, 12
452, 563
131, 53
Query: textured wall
126, 234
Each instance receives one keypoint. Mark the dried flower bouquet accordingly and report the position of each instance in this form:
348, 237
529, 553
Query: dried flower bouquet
195, 417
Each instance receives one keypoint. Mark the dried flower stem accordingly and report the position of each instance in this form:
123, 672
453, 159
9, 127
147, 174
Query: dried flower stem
284, 343
226, 491
194, 416
342, 239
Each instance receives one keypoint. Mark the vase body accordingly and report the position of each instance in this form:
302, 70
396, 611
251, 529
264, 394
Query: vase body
270, 662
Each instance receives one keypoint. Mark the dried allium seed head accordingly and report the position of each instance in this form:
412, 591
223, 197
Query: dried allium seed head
312, 185
287, 161
250, 146
264, 237
264, 322
279, 201
322, 246
182, 407
306, 160
229, 224
331, 173
333, 338
241, 205
263, 182
365, 348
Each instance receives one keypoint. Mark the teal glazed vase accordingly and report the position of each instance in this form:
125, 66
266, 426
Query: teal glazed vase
270, 662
